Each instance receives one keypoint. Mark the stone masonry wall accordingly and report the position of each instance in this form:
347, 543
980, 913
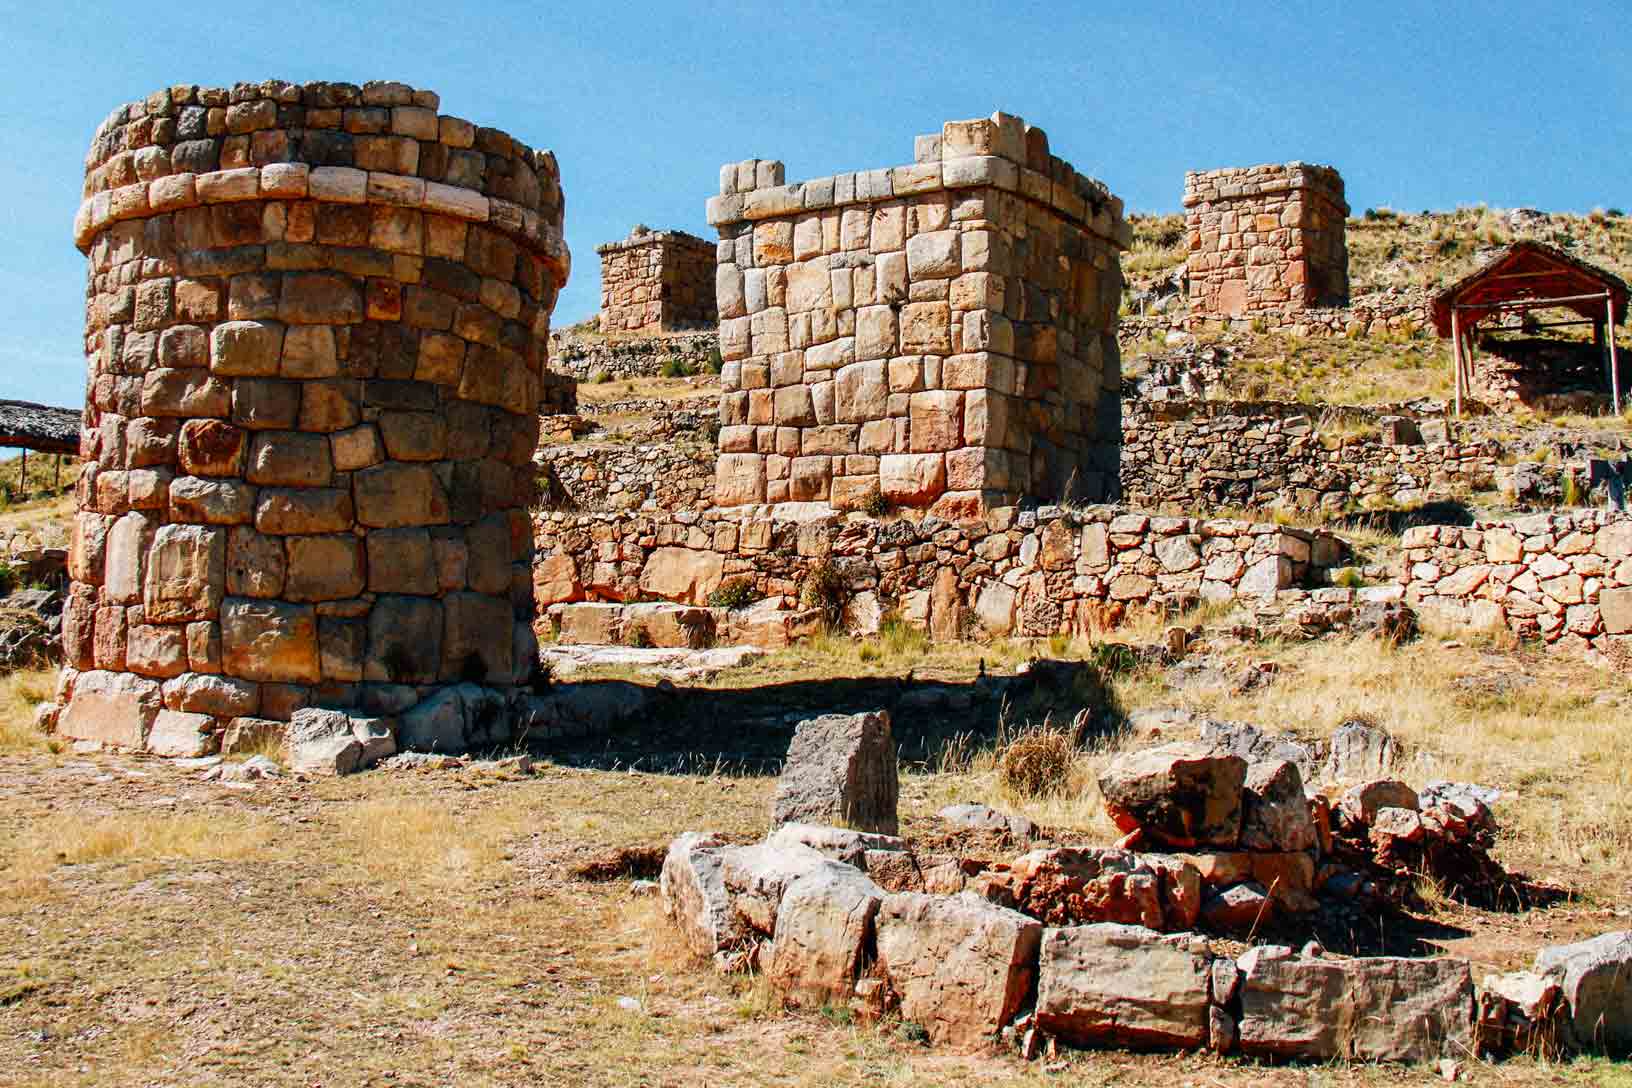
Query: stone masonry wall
1028, 572
315, 336
942, 333
1219, 454
588, 358
656, 281
1265, 241
1565, 578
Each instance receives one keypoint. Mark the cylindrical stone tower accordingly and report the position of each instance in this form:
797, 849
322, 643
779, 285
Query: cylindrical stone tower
316, 323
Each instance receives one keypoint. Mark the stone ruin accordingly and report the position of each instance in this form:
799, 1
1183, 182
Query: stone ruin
1265, 242
1107, 947
315, 330
656, 281
940, 334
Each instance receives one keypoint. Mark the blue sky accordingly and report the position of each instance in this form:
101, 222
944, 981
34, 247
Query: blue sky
1419, 106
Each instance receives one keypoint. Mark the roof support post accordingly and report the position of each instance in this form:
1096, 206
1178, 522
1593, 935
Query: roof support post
1456, 357
1614, 360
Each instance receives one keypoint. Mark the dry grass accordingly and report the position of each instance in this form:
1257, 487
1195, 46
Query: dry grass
20, 693
701, 388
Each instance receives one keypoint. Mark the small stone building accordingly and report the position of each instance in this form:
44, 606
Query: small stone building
942, 334
316, 328
1265, 241
656, 281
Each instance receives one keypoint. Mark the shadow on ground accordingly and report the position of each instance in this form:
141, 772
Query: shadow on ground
685, 730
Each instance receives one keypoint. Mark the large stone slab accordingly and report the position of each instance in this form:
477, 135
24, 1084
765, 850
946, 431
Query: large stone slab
824, 929
1185, 794
841, 769
1596, 976
963, 967
692, 886
1377, 1009
757, 875
115, 708
1122, 985
682, 574
269, 640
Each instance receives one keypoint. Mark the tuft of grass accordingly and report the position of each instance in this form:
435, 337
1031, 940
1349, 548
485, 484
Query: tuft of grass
20, 693
1037, 762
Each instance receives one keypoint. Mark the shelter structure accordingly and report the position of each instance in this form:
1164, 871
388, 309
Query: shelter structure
1525, 276
40, 428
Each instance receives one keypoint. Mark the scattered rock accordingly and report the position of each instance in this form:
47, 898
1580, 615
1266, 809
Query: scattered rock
986, 818
1360, 751
1275, 812
1595, 977
1238, 909
1361, 803
841, 769
332, 742
823, 927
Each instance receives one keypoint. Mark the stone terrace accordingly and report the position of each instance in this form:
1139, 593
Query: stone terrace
941, 334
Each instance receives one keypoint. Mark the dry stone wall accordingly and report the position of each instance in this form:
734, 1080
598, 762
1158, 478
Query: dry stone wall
941, 333
1027, 572
1266, 241
1222, 454
656, 281
1565, 578
589, 358
316, 321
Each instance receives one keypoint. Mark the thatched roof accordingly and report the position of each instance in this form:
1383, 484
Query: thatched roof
39, 427
1524, 271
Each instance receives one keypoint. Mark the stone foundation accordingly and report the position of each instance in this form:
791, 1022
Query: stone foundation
315, 335
1265, 241
656, 281
940, 334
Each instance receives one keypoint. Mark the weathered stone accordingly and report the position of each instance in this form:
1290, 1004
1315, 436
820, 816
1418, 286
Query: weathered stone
1362, 802
1238, 909
962, 966
692, 885
186, 573
1182, 794
268, 640
1123, 985
1275, 813
217, 696
116, 708
681, 574
176, 733
1369, 1009
1360, 751
757, 875
1596, 979
841, 769
824, 926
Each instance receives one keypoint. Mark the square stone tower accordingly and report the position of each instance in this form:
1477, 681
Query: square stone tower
1265, 241
942, 334
656, 281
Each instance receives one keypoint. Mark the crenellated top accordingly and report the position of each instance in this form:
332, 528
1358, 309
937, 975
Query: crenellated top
1001, 152
378, 143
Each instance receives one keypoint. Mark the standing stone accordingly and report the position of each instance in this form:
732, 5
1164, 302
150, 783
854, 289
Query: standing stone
841, 769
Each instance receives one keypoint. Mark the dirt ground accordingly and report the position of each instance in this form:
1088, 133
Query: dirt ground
427, 928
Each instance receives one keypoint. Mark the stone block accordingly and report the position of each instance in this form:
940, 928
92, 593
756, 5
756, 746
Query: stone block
1183, 794
269, 640
290, 459
824, 923
1111, 985
840, 769
961, 965
114, 708
470, 649
246, 349
391, 496
404, 640
327, 567
177, 733
186, 574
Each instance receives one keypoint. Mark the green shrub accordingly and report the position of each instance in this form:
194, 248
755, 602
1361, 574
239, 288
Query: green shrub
824, 589
674, 368
715, 361
733, 594
600, 377
876, 505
